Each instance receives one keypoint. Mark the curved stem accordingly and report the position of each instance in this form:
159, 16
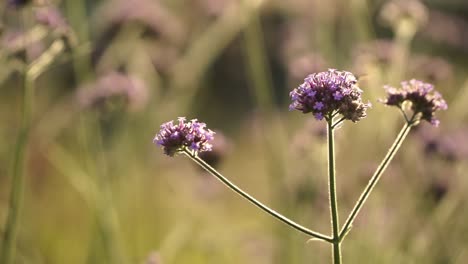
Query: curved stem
251, 199
375, 178
332, 193
17, 178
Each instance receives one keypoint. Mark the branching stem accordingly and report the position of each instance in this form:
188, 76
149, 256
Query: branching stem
375, 178
254, 201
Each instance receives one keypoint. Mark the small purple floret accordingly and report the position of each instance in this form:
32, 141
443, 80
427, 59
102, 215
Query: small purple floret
326, 93
424, 100
318, 116
318, 105
337, 96
192, 134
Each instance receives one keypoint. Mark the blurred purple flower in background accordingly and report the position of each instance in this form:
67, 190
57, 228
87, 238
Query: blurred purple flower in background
397, 11
13, 42
163, 31
219, 151
213, 8
447, 28
111, 85
380, 51
383, 52
192, 135
330, 92
451, 146
300, 65
51, 17
154, 258
27, 44
434, 69
154, 16
17, 3
424, 100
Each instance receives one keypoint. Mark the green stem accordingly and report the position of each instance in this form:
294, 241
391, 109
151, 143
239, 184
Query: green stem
337, 123
16, 194
251, 199
261, 86
332, 191
375, 178
31, 73
259, 72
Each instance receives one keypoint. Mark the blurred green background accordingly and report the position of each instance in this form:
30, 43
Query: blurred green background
106, 74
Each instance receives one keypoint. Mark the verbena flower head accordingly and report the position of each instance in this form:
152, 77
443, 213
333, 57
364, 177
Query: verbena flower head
192, 135
422, 97
326, 93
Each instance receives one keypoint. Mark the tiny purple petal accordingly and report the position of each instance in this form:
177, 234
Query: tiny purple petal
208, 147
318, 116
318, 105
194, 146
311, 93
337, 95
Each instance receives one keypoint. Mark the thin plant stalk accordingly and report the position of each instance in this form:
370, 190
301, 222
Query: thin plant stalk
76, 13
16, 194
258, 68
105, 240
261, 87
375, 178
31, 73
106, 212
251, 199
332, 194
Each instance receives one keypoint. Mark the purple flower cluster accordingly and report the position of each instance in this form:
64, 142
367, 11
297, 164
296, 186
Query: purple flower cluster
327, 93
424, 100
192, 135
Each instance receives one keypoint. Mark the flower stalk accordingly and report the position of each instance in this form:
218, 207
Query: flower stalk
17, 178
14, 208
375, 178
332, 192
335, 97
193, 156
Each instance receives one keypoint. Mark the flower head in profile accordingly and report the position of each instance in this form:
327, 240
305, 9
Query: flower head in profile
325, 94
424, 101
176, 137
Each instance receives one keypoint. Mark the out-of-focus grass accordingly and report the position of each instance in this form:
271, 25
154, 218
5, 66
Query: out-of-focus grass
98, 191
